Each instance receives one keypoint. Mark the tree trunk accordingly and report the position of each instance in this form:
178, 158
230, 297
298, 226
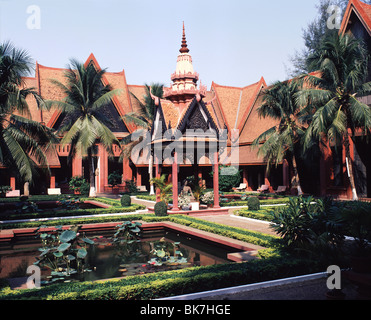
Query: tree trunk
92, 191
296, 175
350, 165
150, 171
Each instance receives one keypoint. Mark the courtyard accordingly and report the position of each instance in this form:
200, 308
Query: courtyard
125, 192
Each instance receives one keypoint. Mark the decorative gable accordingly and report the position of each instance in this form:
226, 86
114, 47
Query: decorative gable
197, 116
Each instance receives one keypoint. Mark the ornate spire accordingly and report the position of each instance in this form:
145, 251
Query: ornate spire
184, 48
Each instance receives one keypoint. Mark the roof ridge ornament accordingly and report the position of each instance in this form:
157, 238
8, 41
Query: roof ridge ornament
184, 48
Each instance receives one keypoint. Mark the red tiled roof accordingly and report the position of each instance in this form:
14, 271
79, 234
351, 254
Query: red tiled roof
363, 12
235, 102
49, 91
255, 125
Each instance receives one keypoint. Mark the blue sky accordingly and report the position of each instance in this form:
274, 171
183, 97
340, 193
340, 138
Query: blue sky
232, 42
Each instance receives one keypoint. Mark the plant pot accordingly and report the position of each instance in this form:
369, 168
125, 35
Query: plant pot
195, 206
115, 190
76, 192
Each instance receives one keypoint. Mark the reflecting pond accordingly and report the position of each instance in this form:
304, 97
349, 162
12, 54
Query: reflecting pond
155, 251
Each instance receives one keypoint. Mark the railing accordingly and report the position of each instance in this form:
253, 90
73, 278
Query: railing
63, 151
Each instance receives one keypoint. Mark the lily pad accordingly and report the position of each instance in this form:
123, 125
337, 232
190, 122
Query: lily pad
88, 241
81, 253
67, 236
64, 246
58, 254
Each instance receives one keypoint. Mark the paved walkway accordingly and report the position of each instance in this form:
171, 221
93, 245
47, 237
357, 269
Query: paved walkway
230, 219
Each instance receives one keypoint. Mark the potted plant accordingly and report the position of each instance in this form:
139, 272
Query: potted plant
114, 179
79, 185
4, 190
208, 198
164, 187
184, 202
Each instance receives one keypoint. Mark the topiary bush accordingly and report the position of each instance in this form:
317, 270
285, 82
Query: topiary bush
125, 200
160, 209
253, 203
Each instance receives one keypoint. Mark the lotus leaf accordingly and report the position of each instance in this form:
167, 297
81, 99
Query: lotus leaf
81, 253
64, 246
58, 254
67, 236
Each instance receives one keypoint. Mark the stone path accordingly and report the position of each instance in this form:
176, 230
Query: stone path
230, 219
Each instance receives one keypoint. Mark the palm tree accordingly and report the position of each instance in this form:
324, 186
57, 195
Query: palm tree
143, 118
164, 187
23, 141
330, 96
280, 140
85, 125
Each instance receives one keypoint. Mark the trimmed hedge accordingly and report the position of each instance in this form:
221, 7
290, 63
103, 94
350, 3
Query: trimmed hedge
77, 221
262, 214
74, 212
249, 236
242, 203
170, 283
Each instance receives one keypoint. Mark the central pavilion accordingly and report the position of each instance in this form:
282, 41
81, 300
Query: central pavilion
184, 132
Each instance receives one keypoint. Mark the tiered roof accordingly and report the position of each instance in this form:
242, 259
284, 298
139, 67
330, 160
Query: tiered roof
225, 106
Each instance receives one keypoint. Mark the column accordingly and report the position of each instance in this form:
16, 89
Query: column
103, 168
216, 180
127, 173
174, 176
12, 183
76, 166
52, 181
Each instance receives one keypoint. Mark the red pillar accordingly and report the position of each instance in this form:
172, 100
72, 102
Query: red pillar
127, 173
103, 168
12, 183
76, 166
52, 182
175, 182
216, 180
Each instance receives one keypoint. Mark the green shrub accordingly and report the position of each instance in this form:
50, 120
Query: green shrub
125, 200
160, 209
253, 203
169, 283
79, 184
229, 177
114, 178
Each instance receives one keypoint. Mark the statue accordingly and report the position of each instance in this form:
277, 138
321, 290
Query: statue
186, 190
